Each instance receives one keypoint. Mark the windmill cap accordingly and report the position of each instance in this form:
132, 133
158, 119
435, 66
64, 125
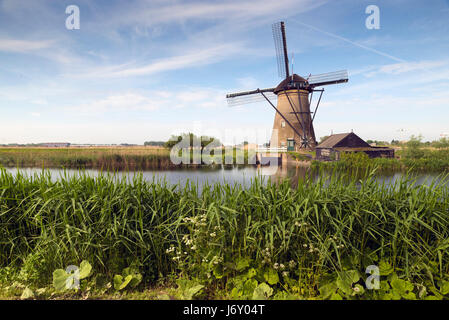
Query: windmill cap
284, 84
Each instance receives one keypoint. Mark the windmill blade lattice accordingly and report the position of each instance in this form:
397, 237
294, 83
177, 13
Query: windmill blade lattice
328, 78
250, 98
278, 43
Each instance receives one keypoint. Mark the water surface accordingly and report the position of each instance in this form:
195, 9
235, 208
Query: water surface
236, 174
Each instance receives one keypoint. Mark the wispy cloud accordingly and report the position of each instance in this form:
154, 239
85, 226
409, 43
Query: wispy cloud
154, 100
364, 47
119, 102
162, 12
403, 67
22, 46
197, 58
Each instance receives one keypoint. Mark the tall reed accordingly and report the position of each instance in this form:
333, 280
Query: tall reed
324, 225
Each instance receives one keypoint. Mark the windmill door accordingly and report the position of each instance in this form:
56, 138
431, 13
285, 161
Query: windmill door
290, 145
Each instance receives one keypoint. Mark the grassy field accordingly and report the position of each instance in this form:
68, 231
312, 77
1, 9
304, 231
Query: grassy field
157, 158
111, 158
106, 158
265, 242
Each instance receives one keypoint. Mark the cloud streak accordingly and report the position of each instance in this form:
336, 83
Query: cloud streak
23, 46
155, 100
198, 58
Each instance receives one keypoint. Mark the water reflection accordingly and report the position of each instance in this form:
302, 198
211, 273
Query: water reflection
237, 174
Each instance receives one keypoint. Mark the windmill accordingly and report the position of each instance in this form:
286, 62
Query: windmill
293, 121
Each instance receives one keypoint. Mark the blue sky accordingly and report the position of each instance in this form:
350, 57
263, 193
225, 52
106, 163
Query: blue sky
142, 70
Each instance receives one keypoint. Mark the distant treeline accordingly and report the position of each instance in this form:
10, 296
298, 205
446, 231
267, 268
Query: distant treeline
154, 143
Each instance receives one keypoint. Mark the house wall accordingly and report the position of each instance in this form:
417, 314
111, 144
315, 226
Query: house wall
384, 153
325, 153
332, 154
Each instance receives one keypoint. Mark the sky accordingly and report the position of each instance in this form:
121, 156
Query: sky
142, 70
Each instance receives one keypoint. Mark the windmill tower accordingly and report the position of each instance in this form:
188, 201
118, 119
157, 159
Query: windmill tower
293, 121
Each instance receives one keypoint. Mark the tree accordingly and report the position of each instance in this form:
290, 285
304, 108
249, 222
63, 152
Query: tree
442, 143
394, 142
154, 143
413, 148
193, 140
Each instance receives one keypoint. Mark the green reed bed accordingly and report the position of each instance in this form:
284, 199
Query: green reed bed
428, 160
132, 158
267, 240
106, 158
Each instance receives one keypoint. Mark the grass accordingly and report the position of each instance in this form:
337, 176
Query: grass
114, 158
228, 240
424, 159
107, 158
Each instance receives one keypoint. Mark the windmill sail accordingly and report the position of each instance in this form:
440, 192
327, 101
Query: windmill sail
328, 78
246, 97
292, 97
280, 43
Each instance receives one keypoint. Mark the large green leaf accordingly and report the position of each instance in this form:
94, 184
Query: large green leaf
121, 282
27, 294
249, 286
403, 288
350, 276
385, 268
189, 293
335, 296
271, 276
134, 273
346, 279
85, 269
444, 287
136, 279
118, 280
236, 293
328, 289
242, 264
262, 292
59, 279
251, 273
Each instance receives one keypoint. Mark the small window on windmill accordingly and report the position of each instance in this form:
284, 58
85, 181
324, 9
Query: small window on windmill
282, 124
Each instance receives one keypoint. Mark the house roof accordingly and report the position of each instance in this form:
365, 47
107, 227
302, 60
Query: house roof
349, 140
332, 140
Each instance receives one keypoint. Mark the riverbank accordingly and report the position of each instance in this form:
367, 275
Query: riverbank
157, 158
112, 158
435, 160
265, 241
